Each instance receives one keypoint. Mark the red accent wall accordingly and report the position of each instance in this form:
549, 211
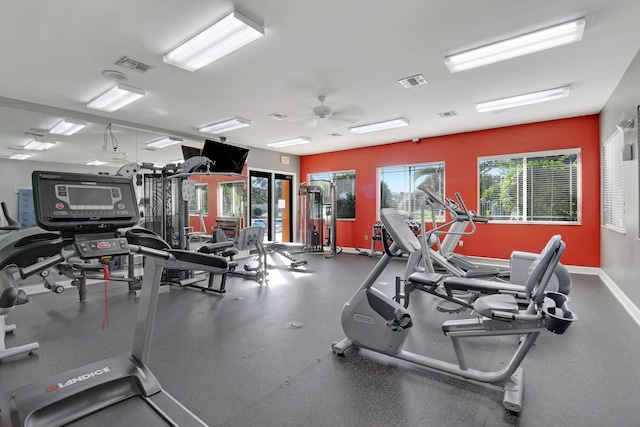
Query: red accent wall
460, 153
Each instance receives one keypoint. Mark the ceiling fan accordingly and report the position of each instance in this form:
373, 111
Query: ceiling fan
324, 114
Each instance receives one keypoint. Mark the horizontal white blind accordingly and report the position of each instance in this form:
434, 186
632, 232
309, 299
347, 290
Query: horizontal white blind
540, 187
613, 182
552, 188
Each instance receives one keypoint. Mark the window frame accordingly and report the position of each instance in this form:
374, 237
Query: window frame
200, 200
523, 156
326, 197
221, 209
440, 215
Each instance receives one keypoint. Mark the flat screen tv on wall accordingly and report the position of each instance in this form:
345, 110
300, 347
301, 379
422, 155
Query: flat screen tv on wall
226, 158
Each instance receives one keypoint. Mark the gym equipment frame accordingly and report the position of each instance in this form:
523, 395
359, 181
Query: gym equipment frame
92, 391
373, 321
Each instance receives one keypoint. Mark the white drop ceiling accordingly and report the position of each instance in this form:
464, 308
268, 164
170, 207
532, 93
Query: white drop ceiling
352, 51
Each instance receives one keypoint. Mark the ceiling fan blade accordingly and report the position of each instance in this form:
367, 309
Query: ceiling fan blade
348, 114
349, 110
315, 123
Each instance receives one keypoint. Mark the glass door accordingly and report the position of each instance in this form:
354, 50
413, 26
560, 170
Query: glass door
260, 200
271, 204
284, 208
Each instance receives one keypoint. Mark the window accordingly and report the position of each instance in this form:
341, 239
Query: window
533, 187
232, 197
613, 182
345, 182
200, 203
399, 188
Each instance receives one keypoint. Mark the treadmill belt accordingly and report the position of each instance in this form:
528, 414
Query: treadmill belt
131, 412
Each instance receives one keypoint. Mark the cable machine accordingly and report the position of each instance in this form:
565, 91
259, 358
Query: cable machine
318, 216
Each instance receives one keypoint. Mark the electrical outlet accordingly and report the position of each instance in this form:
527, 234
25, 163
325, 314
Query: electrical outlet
366, 237
461, 243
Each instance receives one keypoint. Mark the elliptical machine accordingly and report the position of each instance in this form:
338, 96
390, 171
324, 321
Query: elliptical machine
18, 249
9, 297
376, 322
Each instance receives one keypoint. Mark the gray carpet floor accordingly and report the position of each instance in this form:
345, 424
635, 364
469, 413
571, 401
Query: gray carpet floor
261, 355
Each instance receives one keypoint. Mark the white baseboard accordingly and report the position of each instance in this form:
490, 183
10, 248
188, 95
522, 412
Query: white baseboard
628, 305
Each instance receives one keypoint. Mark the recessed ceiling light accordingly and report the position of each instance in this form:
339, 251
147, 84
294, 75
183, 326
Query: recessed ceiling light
19, 156
96, 163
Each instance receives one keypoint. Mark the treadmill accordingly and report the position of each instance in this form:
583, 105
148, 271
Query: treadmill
90, 211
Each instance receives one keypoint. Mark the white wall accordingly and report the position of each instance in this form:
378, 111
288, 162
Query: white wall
620, 253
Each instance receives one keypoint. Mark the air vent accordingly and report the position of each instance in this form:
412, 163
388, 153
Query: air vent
132, 64
413, 81
278, 116
448, 113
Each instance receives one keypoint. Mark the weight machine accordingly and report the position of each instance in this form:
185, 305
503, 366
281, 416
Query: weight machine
318, 215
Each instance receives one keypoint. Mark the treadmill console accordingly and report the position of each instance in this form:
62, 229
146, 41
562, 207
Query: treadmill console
83, 203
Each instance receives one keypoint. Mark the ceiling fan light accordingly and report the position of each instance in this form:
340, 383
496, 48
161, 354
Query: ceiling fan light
374, 127
289, 142
68, 127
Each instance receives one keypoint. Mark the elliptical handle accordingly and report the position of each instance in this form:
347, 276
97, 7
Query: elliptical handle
385, 244
467, 213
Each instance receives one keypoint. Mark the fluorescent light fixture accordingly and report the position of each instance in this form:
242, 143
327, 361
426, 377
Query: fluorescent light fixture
39, 145
526, 99
96, 163
68, 127
19, 156
289, 142
374, 127
548, 38
228, 34
225, 126
116, 98
167, 141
